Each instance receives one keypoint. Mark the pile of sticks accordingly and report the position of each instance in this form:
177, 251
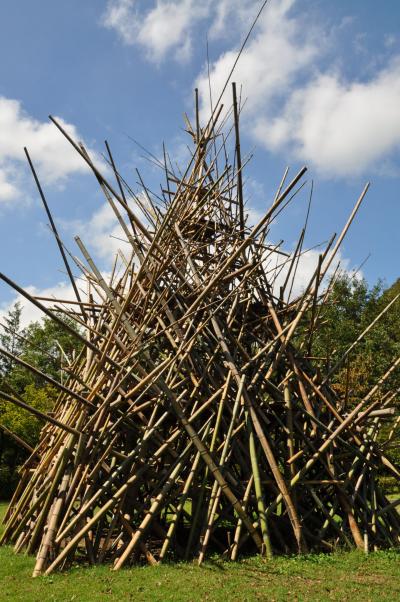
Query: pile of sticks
194, 421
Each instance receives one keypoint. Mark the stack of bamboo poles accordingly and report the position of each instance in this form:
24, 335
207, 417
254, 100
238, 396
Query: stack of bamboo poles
193, 421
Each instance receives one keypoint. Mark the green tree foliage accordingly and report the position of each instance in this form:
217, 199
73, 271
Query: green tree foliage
350, 310
47, 346
352, 306
10, 337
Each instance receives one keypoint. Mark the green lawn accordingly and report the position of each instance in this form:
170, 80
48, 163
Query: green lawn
342, 576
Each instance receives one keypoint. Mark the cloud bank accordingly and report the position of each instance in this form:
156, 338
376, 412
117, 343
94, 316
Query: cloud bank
299, 102
51, 153
164, 28
295, 107
342, 128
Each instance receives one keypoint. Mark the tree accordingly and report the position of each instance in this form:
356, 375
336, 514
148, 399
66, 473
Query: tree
47, 346
10, 337
351, 309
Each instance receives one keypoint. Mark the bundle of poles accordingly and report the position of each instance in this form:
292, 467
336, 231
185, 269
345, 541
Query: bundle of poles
194, 420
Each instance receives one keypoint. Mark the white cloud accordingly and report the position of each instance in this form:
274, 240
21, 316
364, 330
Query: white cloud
390, 40
8, 187
97, 233
169, 26
166, 26
306, 267
280, 48
103, 235
231, 17
30, 313
121, 15
341, 128
51, 153
298, 100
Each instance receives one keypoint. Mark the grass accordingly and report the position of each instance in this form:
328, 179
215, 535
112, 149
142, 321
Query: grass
341, 576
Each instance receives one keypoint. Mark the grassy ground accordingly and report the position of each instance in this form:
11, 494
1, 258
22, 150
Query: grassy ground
342, 576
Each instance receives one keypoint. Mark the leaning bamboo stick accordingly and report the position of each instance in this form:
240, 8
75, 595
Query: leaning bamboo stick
195, 417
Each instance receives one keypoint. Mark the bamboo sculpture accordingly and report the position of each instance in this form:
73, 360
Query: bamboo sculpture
194, 419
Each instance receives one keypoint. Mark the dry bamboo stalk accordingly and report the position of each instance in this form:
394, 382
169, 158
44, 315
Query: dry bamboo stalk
193, 420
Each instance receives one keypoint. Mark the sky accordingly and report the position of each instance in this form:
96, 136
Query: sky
321, 85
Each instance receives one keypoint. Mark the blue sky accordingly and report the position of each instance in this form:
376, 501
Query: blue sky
322, 83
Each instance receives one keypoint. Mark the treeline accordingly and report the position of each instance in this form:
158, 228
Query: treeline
49, 348
351, 307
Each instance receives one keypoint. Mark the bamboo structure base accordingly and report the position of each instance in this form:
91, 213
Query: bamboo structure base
195, 419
